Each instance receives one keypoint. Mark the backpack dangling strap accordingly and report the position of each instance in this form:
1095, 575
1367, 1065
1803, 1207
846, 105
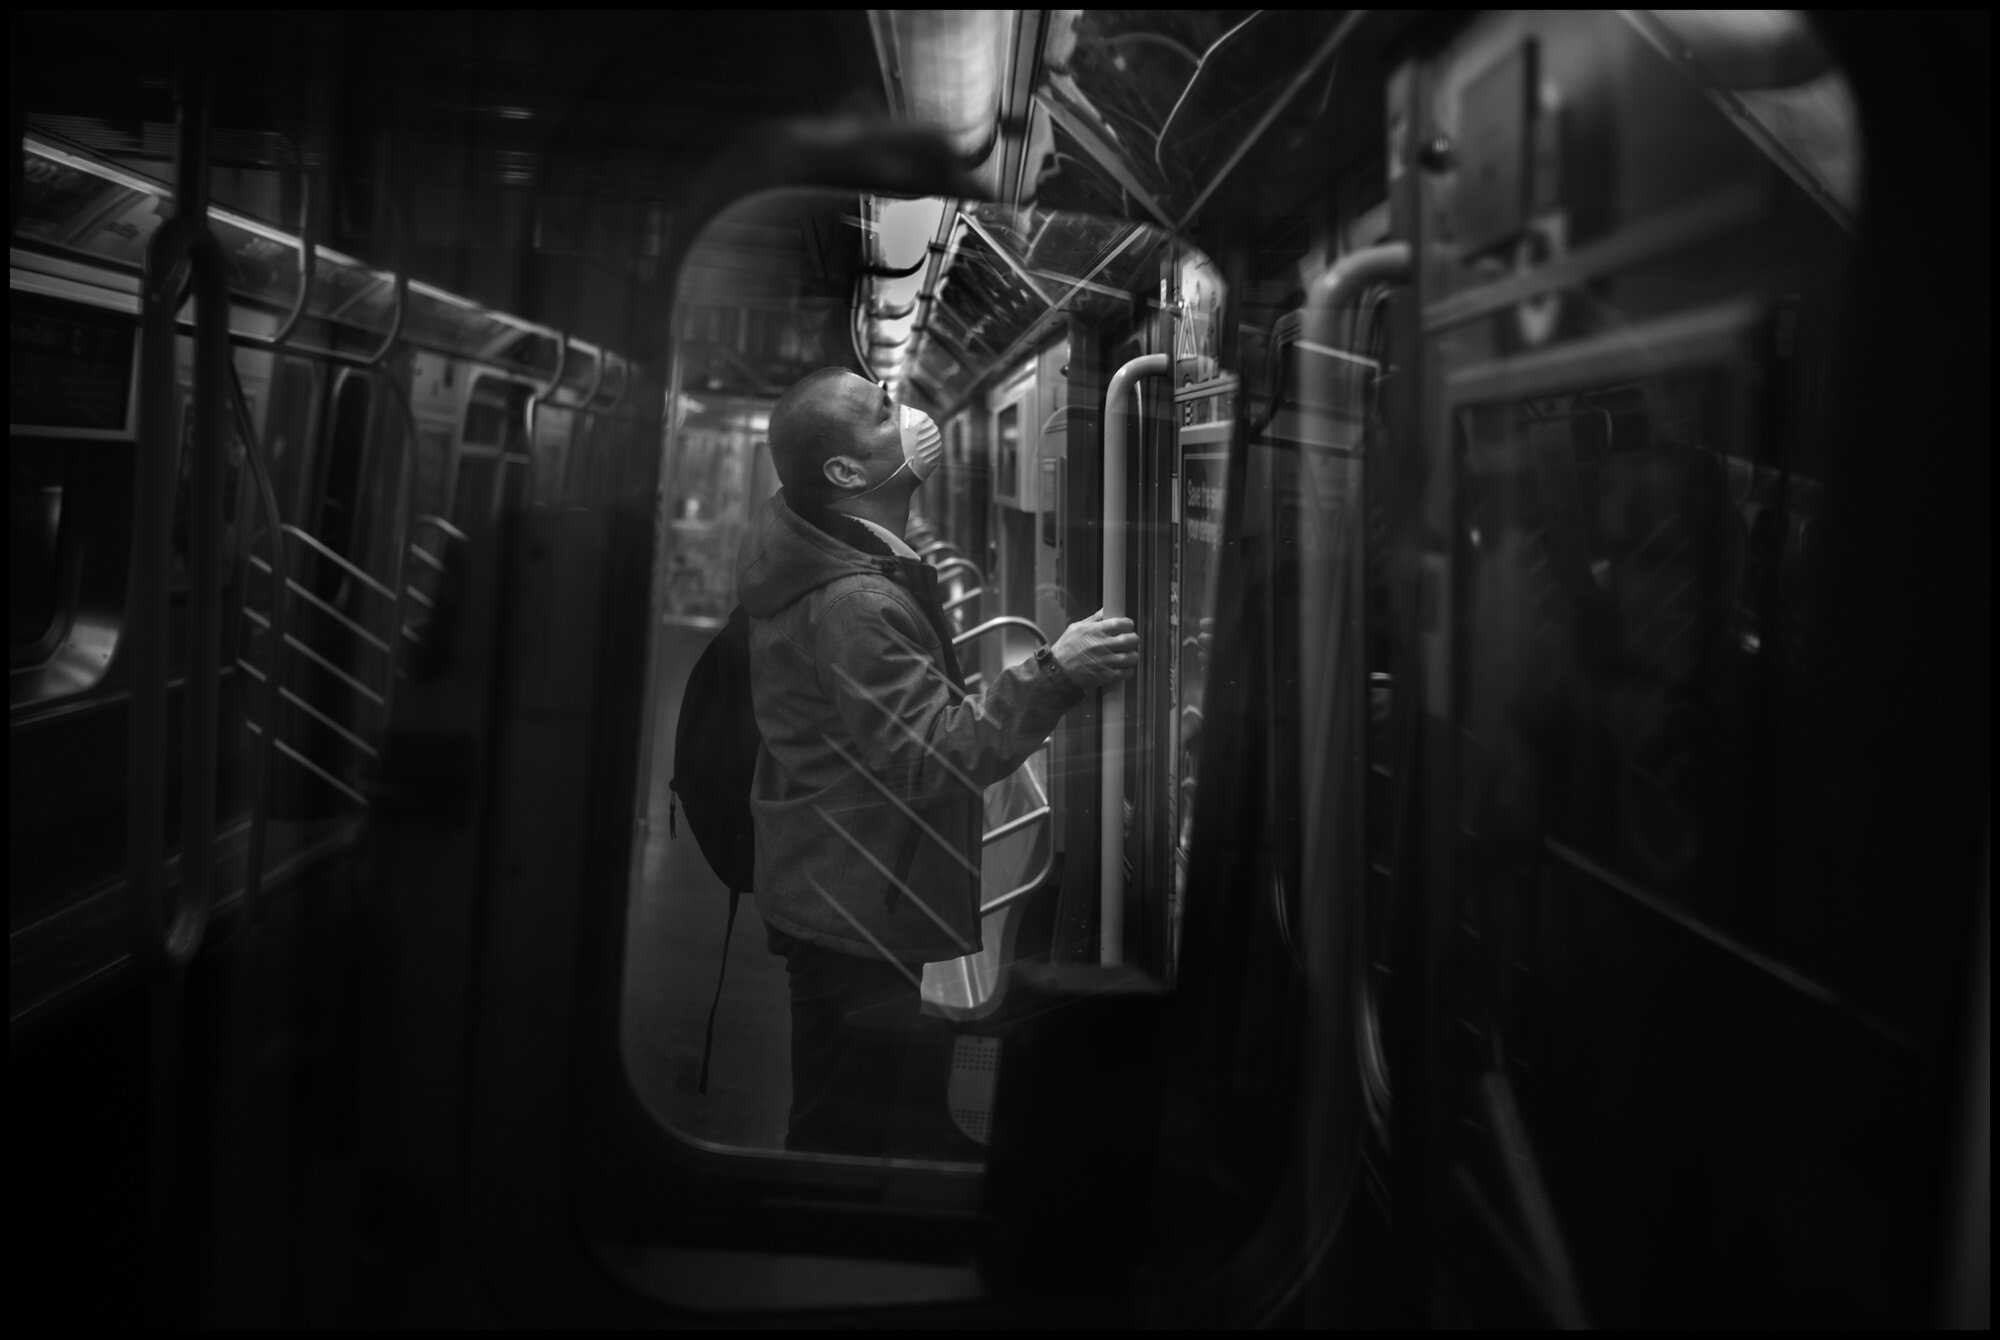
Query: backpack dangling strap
903, 859
708, 1042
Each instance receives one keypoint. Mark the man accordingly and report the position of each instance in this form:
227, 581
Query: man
868, 793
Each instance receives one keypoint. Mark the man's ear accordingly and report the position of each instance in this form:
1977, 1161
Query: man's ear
844, 472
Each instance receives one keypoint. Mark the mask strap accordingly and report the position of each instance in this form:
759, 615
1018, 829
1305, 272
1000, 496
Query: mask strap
885, 482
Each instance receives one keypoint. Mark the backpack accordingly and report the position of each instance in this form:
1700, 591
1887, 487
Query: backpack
715, 754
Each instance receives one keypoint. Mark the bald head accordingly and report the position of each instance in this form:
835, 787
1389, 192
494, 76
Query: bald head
827, 414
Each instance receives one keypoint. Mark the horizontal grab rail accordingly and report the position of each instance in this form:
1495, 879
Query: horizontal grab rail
334, 670
427, 558
432, 519
293, 585
320, 548
1015, 825
951, 565
1045, 811
1034, 881
329, 723
1003, 621
963, 599
315, 769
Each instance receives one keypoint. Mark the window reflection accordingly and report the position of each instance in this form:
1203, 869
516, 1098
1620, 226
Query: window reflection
34, 527
1622, 545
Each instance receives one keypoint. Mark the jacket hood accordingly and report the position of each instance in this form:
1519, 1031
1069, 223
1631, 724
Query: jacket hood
785, 557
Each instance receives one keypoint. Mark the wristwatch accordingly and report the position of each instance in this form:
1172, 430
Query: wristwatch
1045, 657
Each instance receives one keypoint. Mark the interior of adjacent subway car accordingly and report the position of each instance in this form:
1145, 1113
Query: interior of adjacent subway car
1020, 314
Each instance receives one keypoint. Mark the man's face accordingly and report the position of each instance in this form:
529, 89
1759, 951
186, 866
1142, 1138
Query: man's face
869, 411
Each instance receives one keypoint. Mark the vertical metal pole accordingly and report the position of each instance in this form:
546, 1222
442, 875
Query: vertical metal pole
160, 942
213, 364
1111, 777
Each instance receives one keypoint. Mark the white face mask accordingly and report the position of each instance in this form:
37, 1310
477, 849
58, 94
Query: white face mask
923, 444
923, 448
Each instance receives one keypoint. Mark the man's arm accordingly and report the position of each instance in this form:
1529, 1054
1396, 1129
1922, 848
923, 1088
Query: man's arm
916, 731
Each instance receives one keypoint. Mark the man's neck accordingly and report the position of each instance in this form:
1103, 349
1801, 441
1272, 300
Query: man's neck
892, 514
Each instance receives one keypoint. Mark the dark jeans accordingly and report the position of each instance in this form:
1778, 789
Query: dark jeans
869, 1070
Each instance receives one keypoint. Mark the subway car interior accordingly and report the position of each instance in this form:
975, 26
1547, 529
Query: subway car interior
1537, 874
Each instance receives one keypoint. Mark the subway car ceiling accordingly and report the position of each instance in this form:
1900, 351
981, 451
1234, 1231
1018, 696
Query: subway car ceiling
544, 167
539, 166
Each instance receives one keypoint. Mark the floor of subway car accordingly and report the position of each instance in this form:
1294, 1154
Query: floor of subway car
674, 950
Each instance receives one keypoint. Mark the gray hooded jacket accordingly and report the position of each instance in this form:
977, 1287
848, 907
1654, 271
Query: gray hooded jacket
868, 790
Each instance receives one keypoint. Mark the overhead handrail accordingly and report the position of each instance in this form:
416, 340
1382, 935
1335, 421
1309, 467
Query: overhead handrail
548, 388
308, 267
252, 340
182, 254
995, 624
279, 342
1111, 766
536, 399
604, 357
395, 331
401, 286
623, 387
